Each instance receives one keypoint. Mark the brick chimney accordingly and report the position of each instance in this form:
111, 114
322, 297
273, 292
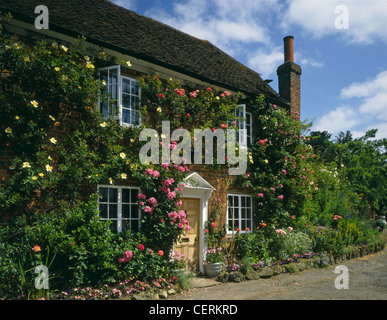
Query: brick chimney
289, 78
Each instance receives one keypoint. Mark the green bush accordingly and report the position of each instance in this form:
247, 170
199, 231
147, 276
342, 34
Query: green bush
78, 248
253, 245
296, 243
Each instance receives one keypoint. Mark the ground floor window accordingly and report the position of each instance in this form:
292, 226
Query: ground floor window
240, 213
119, 205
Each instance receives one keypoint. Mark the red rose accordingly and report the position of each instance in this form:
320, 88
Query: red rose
141, 247
160, 253
161, 96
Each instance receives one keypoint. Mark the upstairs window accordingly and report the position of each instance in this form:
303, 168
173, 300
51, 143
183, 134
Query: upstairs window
244, 120
124, 96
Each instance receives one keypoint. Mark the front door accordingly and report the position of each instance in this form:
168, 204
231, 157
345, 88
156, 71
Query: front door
189, 242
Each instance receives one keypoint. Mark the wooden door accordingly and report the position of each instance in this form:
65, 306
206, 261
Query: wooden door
189, 242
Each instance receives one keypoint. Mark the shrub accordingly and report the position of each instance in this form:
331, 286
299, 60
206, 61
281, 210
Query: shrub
296, 243
253, 245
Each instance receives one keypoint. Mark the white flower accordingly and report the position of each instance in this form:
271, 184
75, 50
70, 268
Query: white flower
26, 165
52, 118
48, 168
128, 63
159, 109
123, 176
8, 130
64, 48
110, 180
53, 140
122, 155
103, 124
104, 82
34, 103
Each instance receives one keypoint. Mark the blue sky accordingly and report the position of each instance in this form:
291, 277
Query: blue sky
341, 46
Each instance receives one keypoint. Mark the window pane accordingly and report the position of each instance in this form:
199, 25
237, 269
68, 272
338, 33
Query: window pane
126, 195
104, 193
113, 76
135, 226
135, 103
126, 116
126, 101
103, 211
112, 211
126, 85
230, 198
113, 195
134, 211
248, 202
133, 195
236, 201
125, 211
113, 226
243, 200
135, 89
243, 213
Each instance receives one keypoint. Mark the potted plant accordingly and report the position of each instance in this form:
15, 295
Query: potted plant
214, 261
178, 263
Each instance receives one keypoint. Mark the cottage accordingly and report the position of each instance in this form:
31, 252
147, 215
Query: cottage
151, 46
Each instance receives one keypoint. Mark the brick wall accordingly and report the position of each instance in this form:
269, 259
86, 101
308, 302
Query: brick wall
289, 74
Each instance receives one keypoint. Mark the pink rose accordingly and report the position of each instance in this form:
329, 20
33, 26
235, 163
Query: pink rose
179, 203
148, 172
141, 247
148, 209
141, 196
152, 201
155, 174
165, 165
280, 197
260, 195
171, 195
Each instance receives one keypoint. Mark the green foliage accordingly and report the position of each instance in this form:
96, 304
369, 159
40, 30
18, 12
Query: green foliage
254, 246
215, 231
296, 243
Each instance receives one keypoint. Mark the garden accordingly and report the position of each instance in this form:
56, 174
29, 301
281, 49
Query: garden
312, 195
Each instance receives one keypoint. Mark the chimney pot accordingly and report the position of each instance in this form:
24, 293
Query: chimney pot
288, 49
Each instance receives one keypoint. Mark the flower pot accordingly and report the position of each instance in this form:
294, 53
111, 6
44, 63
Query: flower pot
214, 269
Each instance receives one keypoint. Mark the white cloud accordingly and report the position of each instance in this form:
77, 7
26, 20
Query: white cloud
366, 18
226, 24
266, 62
373, 95
365, 109
342, 118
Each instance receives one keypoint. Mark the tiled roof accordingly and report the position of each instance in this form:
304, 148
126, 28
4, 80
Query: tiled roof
114, 27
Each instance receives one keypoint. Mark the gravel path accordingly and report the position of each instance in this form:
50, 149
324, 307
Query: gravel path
367, 280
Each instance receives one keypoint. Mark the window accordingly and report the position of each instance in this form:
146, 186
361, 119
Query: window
124, 96
244, 120
119, 205
240, 212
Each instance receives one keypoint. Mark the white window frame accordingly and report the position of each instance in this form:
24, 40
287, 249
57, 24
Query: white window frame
120, 79
239, 208
119, 204
245, 135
